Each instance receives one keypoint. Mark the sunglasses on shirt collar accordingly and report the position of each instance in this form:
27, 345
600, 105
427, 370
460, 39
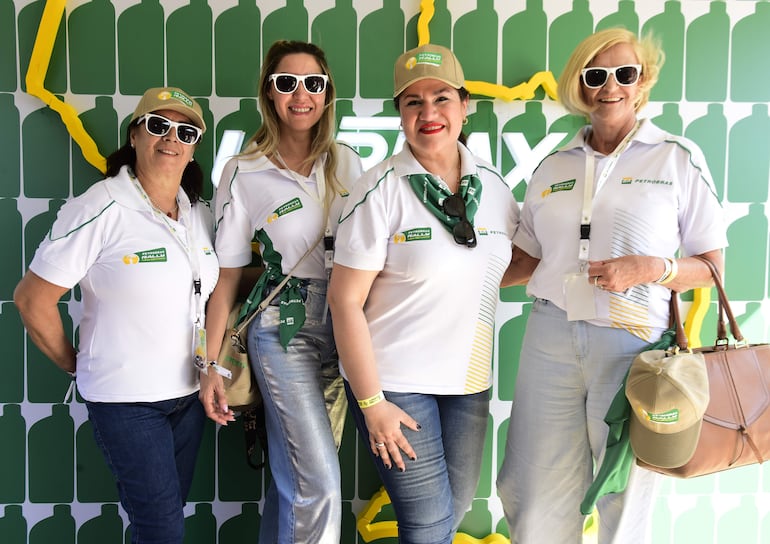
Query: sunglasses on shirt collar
626, 75
157, 125
463, 232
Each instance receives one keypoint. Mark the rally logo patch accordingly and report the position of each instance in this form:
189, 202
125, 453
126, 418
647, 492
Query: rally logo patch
292, 205
665, 418
561, 186
148, 256
413, 235
434, 59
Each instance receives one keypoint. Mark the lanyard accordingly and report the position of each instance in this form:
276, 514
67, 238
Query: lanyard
588, 192
187, 243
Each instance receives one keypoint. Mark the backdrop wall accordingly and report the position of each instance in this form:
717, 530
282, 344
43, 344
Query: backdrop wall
714, 89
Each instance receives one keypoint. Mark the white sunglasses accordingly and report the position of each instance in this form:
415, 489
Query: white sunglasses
597, 76
157, 125
287, 83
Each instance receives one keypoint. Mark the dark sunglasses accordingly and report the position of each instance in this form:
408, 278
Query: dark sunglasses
597, 76
463, 232
157, 125
287, 83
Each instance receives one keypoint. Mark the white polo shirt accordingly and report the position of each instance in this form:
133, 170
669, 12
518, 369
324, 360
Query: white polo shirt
256, 198
135, 273
431, 308
658, 198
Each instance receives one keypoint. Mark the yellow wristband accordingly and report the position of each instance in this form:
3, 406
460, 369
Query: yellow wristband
371, 401
673, 274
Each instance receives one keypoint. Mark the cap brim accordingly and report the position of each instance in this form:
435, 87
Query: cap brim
663, 450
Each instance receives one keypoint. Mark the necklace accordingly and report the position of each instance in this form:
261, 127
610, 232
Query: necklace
169, 213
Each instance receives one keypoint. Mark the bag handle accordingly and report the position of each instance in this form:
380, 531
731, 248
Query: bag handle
724, 308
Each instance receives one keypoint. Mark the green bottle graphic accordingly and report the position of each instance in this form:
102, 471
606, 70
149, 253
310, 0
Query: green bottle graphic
246, 118
287, 23
204, 153
475, 42
710, 133
29, 21
101, 123
13, 455
12, 340
566, 32
510, 340
696, 524
439, 27
669, 119
10, 147
569, 124
349, 530
45, 381
203, 488
753, 325
51, 476
201, 527
59, 528
106, 528
188, 48
12, 270
482, 130
746, 264
49, 178
525, 45
748, 167
531, 124
707, 48
13, 526
8, 62
340, 47
390, 136
751, 48
237, 480
347, 456
625, 17
237, 43
478, 516
661, 520
235, 528
669, 28
140, 62
95, 480
378, 50
742, 520
488, 474
92, 48
343, 108
34, 232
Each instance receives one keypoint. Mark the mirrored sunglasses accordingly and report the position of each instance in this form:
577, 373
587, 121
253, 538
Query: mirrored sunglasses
463, 232
287, 83
157, 125
596, 76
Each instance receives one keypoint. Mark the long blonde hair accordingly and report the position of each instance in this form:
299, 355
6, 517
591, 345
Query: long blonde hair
647, 50
265, 140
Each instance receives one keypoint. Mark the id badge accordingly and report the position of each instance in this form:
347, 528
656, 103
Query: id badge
579, 294
199, 347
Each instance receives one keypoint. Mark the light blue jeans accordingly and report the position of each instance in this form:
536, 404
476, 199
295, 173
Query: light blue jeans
569, 372
432, 495
304, 502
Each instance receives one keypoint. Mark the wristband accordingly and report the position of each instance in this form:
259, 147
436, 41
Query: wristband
672, 275
371, 401
666, 271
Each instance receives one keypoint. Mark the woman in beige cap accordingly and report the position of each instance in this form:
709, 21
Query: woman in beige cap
422, 246
139, 244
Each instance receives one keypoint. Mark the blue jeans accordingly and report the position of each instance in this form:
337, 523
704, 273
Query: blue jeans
569, 373
151, 448
435, 491
304, 502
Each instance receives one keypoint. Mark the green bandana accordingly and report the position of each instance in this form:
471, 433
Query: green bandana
432, 193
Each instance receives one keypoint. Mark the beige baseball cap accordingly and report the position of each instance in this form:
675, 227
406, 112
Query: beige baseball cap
170, 98
427, 61
668, 396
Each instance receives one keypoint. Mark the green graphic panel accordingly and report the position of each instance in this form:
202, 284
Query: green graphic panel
188, 48
92, 48
106, 528
707, 55
336, 32
237, 36
10, 147
140, 64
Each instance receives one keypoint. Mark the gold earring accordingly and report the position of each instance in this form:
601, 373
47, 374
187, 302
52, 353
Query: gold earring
465, 121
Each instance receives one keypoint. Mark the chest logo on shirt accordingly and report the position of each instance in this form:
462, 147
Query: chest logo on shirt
561, 186
291, 206
412, 235
630, 180
147, 256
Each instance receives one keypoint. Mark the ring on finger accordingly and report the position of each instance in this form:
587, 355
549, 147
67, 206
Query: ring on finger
379, 444
596, 279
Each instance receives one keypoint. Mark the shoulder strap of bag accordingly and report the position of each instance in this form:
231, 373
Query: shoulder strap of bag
724, 308
277, 289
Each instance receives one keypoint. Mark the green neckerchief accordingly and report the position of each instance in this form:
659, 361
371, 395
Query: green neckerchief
432, 193
612, 476
292, 306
